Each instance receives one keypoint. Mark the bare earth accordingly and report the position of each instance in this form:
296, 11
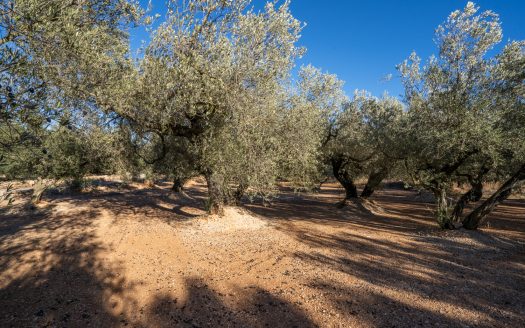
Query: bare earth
149, 258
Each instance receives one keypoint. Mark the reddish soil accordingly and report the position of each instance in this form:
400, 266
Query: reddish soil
150, 258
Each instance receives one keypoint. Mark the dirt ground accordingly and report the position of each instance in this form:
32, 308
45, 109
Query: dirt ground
149, 258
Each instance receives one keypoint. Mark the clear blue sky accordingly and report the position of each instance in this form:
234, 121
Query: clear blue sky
362, 41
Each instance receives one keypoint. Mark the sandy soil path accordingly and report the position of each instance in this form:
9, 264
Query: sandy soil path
146, 258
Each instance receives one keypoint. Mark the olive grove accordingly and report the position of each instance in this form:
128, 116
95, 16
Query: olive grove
210, 97
215, 93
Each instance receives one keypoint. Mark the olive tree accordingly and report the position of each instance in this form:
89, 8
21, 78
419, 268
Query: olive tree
56, 57
318, 97
455, 110
357, 137
509, 96
363, 142
214, 80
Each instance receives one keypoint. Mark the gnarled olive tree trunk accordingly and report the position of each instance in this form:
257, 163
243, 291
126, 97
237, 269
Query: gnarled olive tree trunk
473, 195
344, 178
38, 191
238, 193
178, 183
221, 194
216, 193
479, 215
443, 219
374, 180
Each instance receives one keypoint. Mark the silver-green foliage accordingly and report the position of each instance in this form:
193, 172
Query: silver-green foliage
457, 108
215, 77
57, 59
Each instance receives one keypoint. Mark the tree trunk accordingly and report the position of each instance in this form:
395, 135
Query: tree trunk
350, 188
374, 180
178, 184
477, 217
442, 217
38, 190
238, 193
215, 193
473, 195
344, 178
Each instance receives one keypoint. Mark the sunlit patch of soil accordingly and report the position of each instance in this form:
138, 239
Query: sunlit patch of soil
148, 257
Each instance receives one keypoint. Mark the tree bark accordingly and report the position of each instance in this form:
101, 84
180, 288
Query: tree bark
344, 178
215, 193
477, 217
239, 193
473, 195
443, 219
38, 190
374, 180
178, 184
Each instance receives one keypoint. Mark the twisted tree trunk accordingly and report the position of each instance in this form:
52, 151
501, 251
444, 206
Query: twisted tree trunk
239, 193
344, 178
216, 195
38, 191
178, 184
443, 219
479, 215
473, 195
374, 180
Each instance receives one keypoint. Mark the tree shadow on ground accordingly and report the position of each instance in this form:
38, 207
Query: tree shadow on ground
376, 308
54, 272
144, 204
51, 273
321, 208
402, 251
476, 273
204, 307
